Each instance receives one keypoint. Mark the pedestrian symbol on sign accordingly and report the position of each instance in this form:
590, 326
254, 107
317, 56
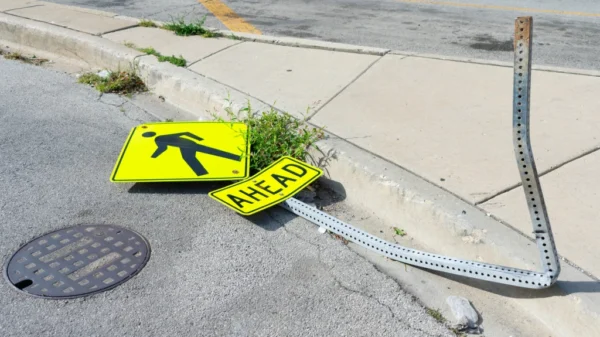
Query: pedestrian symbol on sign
186, 142
184, 151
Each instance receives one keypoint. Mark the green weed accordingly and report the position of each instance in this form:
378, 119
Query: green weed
178, 61
457, 333
273, 135
180, 27
20, 57
399, 231
436, 314
119, 82
147, 23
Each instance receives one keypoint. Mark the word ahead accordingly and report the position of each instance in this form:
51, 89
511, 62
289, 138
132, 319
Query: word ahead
278, 182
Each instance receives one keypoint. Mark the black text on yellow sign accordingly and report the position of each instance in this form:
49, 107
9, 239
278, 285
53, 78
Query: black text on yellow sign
278, 182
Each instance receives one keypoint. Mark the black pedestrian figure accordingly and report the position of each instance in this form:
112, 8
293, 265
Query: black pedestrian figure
188, 149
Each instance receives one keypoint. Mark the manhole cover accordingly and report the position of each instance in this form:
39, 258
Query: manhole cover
77, 261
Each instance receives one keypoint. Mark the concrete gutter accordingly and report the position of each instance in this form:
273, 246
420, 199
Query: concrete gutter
437, 219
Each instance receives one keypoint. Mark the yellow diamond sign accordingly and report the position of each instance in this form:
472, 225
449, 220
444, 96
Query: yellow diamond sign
184, 151
274, 184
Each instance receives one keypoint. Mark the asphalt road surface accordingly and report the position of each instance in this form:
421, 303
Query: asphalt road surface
211, 272
566, 33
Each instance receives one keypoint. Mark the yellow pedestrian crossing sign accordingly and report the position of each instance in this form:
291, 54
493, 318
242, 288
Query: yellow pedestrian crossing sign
184, 151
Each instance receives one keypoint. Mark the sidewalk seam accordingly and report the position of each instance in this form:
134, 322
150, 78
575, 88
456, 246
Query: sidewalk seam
14, 9
52, 24
117, 30
345, 87
236, 89
568, 161
502, 191
541, 174
562, 258
214, 53
544, 68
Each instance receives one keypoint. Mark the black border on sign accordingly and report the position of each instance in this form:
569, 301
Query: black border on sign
318, 171
122, 155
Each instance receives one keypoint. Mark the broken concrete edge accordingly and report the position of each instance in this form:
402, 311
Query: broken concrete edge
439, 220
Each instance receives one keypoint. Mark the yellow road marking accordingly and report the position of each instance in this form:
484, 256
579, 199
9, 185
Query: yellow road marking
228, 17
504, 8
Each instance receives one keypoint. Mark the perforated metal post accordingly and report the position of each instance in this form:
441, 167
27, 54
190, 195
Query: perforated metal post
522, 145
531, 186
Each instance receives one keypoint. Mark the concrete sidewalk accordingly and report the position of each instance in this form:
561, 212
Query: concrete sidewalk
446, 121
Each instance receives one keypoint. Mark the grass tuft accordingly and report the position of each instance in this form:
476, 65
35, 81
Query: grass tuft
147, 23
181, 28
273, 135
20, 57
436, 314
119, 82
178, 61
399, 231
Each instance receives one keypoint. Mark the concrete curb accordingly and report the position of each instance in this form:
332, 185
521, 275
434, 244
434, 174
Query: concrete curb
304, 43
288, 41
90, 49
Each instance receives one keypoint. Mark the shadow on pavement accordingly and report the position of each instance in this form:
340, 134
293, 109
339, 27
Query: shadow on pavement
271, 219
559, 289
190, 187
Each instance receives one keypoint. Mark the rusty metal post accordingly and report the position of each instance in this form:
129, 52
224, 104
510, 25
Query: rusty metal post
522, 145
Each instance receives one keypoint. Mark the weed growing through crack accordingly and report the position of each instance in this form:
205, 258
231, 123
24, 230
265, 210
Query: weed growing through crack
178, 61
341, 238
457, 333
273, 135
119, 82
399, 231
20, 57
147, 23
436, 314
182, 28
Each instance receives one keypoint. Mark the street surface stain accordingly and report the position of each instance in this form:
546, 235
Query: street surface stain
489, 43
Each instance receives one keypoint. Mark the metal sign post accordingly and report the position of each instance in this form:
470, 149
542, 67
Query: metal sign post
529, 177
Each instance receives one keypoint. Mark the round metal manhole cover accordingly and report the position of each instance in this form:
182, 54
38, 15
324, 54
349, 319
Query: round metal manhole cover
77, 261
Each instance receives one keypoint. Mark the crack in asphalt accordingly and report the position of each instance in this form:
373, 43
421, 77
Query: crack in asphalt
342, 286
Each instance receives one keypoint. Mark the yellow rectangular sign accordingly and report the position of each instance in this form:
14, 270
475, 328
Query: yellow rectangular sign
276, 183
184, 151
